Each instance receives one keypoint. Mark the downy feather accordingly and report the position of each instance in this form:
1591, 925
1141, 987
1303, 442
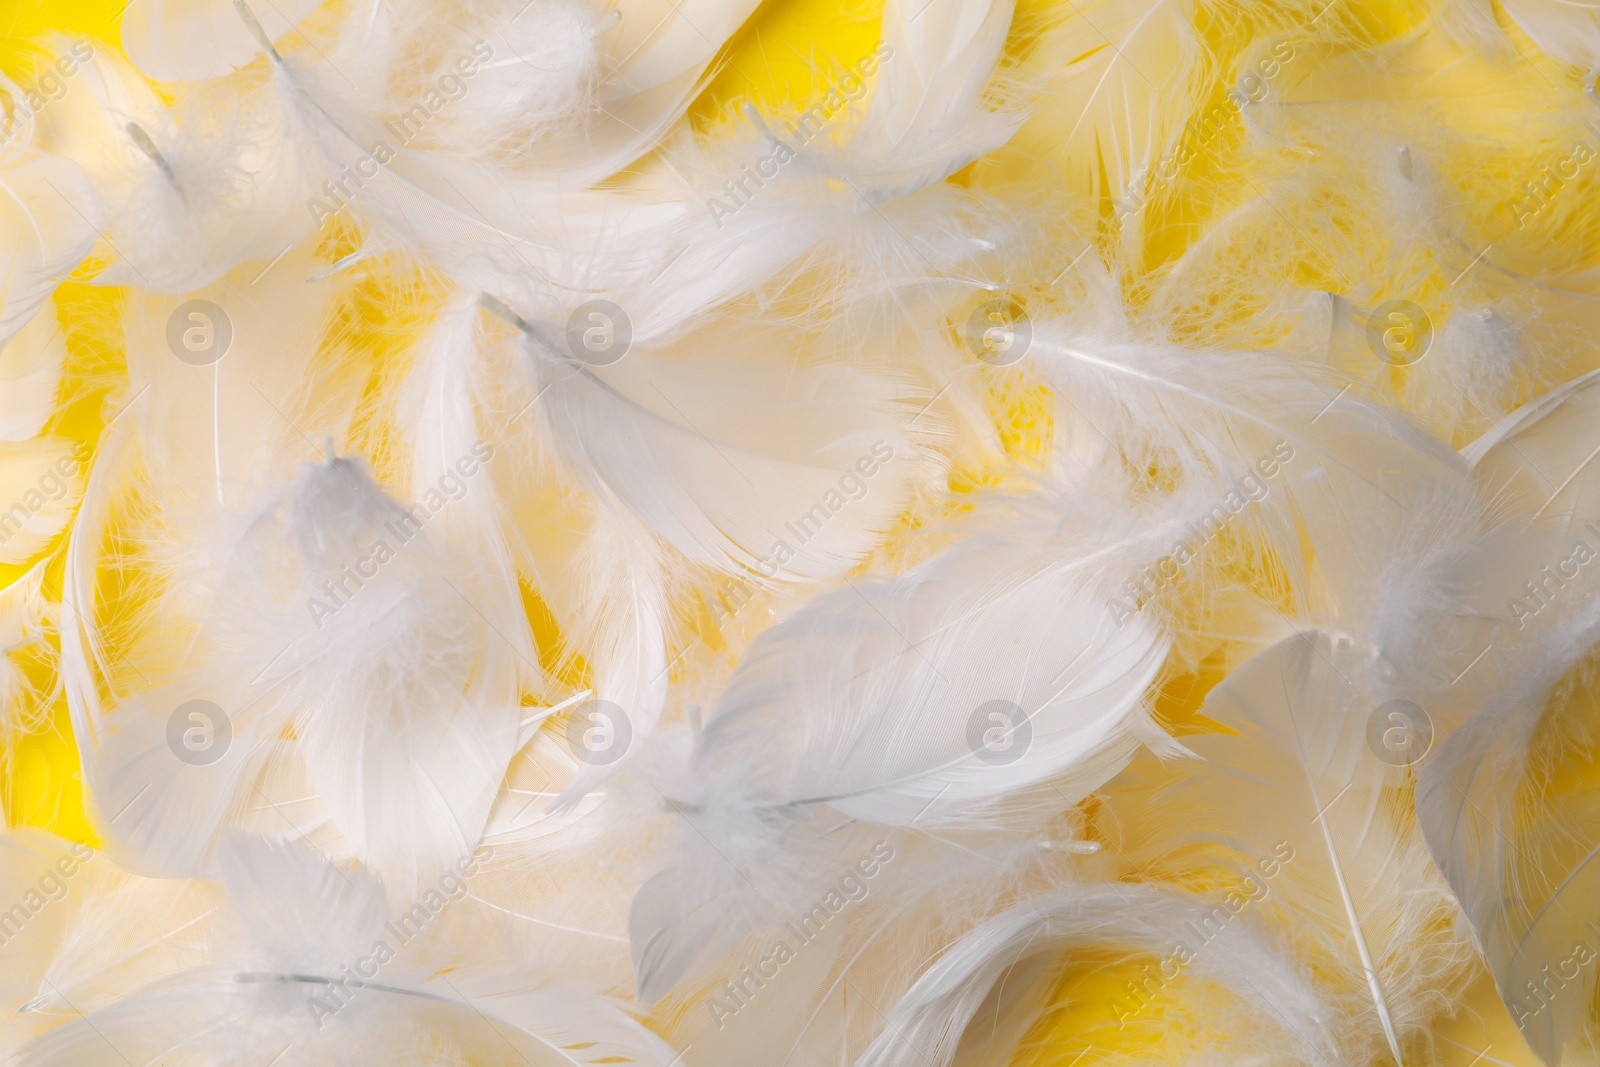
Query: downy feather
191, 189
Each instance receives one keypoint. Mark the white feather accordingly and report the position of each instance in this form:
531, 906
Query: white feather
297, 974
996, 969
1515, 843
191, 189
50, 216
189, 40
1293, 802
892, 703
1210, 420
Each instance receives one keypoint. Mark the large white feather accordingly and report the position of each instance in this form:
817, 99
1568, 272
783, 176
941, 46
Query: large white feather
925, 701
1299, 805
298, 974
1508, 825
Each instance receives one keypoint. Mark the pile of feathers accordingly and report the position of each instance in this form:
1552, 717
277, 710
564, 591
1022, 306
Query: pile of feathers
804, 533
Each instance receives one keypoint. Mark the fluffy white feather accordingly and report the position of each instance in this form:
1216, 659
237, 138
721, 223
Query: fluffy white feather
927, 701
191, 188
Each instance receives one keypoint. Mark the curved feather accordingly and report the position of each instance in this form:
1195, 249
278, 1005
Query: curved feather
863, 701
996, 967
1505, 806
